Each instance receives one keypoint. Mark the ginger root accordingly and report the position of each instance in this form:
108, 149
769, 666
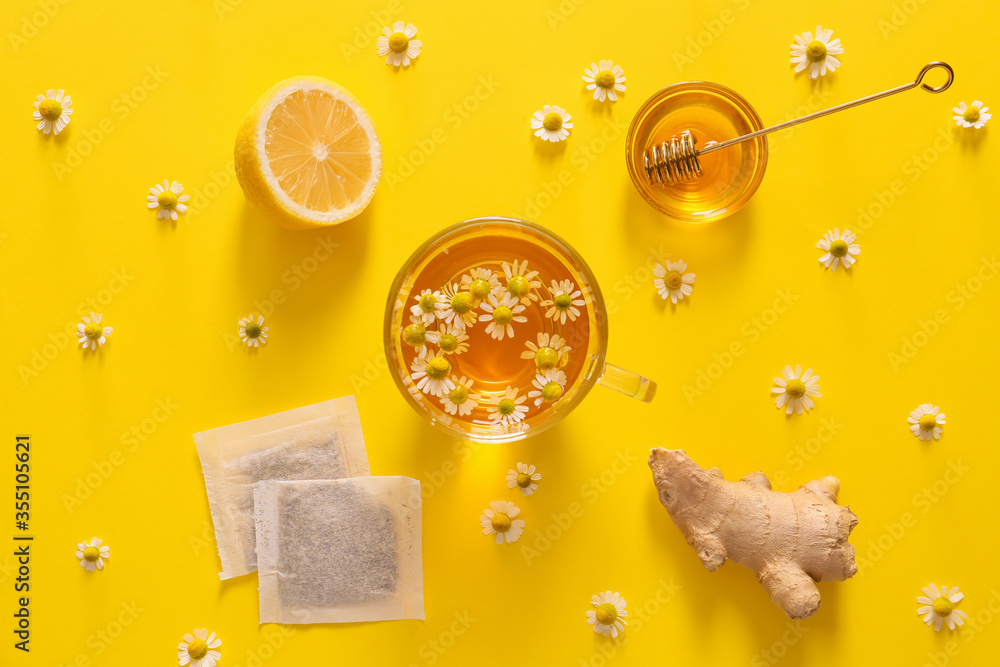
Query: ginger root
789, 540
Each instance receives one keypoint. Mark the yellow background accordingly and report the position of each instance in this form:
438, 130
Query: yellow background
182, 287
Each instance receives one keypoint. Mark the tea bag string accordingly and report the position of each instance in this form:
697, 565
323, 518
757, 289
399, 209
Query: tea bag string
711, 147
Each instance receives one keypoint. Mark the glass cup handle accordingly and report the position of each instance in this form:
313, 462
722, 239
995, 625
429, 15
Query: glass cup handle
627, 383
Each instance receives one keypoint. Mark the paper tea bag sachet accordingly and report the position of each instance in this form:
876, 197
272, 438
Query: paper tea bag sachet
320, 441
339, 551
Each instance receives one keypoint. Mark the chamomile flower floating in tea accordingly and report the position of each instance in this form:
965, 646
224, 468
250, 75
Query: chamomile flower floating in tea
53, 111
461, 306
168, 199
91, 334
199, 650
523, 478
481, 283
397, 45
564, 302
549, 386
460, 400
839, 248
938, 607
816, 54
796, 389
417, 336
521, 281
974, 116
92, 554
671, 282
430, 306
499, 520
926, 422
608, 615
605, 79
452, 339
253, 332
431, 375
507, 408
550, 352
501, 313
551, 123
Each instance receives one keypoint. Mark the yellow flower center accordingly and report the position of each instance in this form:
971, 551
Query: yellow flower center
673, 280
415, 335
427, 303
252, 330
563, 301
501, 522
518, 286
461, 303
91, 554
166, 199
553, 121
524, 480
971, 114
398, 42
605, 78
546, 357
795, 388
503, 315
50, 109
928, 422
93, 331
816, 51
448, 343
197, 649
551, 392
438, 368
481, 288
838, 248
943, 606
607, 613
459, 395
506, 406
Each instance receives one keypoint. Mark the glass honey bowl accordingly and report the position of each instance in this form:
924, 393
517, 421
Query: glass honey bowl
710, 112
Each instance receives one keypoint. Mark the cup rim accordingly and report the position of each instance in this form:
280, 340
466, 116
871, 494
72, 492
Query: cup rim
592, 369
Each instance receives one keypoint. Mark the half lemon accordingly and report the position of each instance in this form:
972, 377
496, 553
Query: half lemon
307, 154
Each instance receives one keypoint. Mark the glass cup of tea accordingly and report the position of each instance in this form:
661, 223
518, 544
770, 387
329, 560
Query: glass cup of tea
495, 329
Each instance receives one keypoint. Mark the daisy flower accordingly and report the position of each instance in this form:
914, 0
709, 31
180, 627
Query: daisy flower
481, 283
520, 281
90, 333
549, 385
564, 302
816, 54
52, 111
500, 313
551, 123
499, 520
507, 408
460, 306
524, 477
167, 199
926, 422
430, 307
550, 352
253, 332
431, 375
839, 248
605, 79
460, 400
974, 116
92, 554
451, 339
671, 281
608, 615
199, 650
417, 335
795, 389
939, 607
397, 44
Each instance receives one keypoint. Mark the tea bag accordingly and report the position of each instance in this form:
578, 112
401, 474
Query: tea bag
320, 441
339, 550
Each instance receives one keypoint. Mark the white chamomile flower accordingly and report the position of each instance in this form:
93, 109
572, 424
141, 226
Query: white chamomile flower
926, 422
451, 339
199, 650
397, 44
52, 111
92, 554
507, 408
90, 334
795, 389
549, 385
430, 306
839, 248
481, 283
606, 79
551, 351
417, 335
499, 520
461, 306
520, 281
974, 116
431, 374
460, 400
168, 199
938, 607
671, 281
551, 123
564, 302
501, 313
608, 614
524, 478
816, 54
253, 332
